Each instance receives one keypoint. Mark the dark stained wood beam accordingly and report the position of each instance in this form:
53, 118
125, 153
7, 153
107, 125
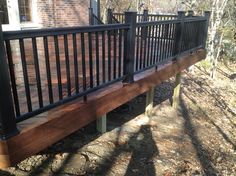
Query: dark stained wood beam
44, 130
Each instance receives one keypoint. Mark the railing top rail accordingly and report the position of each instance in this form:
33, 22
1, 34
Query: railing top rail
151, 23
13, 35
140, 14
189, 19
199, 18
167, 15
118, 13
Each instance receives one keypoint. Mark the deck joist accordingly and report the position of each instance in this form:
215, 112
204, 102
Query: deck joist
40, 132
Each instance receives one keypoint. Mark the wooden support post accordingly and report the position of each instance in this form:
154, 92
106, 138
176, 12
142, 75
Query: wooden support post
149, 101
176, 93
102, 124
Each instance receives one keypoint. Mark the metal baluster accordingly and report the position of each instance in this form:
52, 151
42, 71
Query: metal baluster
48, 69
90, 59
83, 65
25, 75
114, 52
148, 50
67, 64
109, 55
58, 65
120, 52
76, 67
97, 59
103, 58
137, 49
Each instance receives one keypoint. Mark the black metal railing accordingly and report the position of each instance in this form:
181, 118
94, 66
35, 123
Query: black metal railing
155, 42
83, 58
145, 16
45, 68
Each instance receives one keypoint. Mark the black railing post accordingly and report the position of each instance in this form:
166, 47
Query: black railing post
207, 15
109, 16
7, 115
145, 15
91, 19
129, 47
179, 34
190, 13
144, 30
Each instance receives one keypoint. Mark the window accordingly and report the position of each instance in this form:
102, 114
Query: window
3, 12
25, 10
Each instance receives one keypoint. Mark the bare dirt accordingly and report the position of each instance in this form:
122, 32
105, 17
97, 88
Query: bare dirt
198, 138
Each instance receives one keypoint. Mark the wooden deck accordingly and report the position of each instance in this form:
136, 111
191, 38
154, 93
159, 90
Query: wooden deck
39, 132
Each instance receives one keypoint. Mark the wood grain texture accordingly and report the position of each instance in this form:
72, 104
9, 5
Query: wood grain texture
44, 130
4, 155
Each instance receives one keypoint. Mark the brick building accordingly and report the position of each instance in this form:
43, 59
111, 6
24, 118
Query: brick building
21, 14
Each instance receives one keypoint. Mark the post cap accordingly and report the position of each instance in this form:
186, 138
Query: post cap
207, 13
181, 14
190, 13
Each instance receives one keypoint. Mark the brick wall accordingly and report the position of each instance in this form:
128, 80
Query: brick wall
63, 13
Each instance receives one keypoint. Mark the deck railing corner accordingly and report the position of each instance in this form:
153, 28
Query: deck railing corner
7, 115
129, 49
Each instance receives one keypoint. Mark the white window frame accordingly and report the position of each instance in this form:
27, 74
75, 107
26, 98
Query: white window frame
14, 17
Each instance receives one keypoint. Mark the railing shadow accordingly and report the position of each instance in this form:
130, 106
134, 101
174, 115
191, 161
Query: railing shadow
56, 149
85, 136
202, 154
202, 69
223, 73
226, 138
142, 159
220, 102
142, 152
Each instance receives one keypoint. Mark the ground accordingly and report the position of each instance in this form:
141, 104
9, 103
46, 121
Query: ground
198, 138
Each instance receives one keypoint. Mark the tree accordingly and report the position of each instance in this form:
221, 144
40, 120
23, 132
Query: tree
215, 44
221, 16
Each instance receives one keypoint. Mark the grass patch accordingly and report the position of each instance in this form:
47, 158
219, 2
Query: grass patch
205, 64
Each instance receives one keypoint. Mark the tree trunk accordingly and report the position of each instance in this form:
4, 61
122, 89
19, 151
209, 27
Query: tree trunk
218, 8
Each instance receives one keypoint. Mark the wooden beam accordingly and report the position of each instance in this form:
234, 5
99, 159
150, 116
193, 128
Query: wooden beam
149, 101
176, 93
44, 130
4, 155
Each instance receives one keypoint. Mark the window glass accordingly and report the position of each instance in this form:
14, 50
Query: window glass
25, 10
3, 12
